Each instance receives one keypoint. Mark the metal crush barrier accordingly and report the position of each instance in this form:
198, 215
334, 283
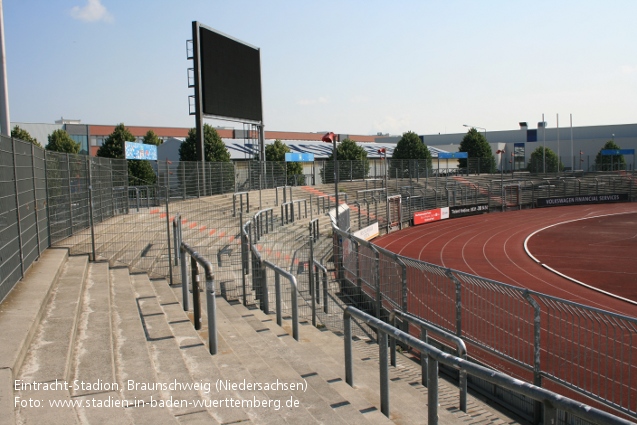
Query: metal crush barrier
87, 204
536, 335
551, 402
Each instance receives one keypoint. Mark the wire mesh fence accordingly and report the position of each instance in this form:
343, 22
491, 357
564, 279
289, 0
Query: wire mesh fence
88, 205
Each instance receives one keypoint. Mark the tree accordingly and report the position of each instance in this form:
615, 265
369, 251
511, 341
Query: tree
60, 141
219, 170
478, 150
151, 138
214, 148
24, 135
609, 162
411, 157
113, 146
140, 172
536, 162
352, 162
275, 152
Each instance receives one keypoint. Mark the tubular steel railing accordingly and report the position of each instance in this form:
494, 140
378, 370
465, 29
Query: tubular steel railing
551, 402
278, 272
425, 329
539, 334
195, 260
87, 205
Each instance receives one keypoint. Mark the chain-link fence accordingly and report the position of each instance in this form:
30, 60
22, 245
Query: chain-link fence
86, 204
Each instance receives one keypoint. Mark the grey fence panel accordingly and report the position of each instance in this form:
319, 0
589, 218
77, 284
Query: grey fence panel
10, 261
41, 206
603, 344
431, 294
26, 201
498, 318
59, 196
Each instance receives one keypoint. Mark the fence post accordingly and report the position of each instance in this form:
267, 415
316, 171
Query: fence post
183, 178
432, 390
379, 295
384, 373
537, 369
458, 285
313, 289
90, 205
196, 306
35, 200
211, 306
197, 168
170, 263
347, 331
245, 263
68, 185
17, 206
184, 278
46, 189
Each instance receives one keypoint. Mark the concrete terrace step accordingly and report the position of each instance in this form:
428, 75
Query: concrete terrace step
343, 399
164, 350
50, 353
405, 407
131, 352
254, 338
267, 365
237, 362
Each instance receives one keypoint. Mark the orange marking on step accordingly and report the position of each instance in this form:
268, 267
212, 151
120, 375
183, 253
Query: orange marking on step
192, 225
154, 211
202, 228
231, 238
222, 234
212, 232
287, 257
162, 215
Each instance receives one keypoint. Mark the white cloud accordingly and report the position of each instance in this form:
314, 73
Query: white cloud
93, 11
629, 69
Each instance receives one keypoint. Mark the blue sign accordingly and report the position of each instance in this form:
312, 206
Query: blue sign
299, 157
453, 155
618, 151
140, 151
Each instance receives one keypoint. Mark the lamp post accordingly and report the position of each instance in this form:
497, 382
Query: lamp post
331, 138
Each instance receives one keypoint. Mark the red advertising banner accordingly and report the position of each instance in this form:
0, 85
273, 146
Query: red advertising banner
427, 216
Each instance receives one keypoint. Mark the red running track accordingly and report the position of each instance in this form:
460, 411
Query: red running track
492, 246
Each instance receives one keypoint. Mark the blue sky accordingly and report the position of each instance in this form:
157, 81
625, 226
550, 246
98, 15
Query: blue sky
352, 67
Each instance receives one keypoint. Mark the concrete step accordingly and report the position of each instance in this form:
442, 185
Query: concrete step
133, 363
93, 375
342, 399
330, 348
49, 356
50, 353
164, 350
225, 366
